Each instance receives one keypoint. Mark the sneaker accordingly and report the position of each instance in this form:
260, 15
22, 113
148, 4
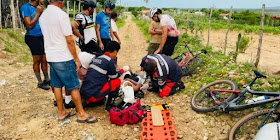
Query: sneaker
47, 82
180, 85
43, 86
71, 104
151, 89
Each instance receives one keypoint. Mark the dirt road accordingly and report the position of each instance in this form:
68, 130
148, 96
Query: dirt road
28, 113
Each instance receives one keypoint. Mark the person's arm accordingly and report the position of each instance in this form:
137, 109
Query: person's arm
27, 19
116, 35
151, 29
112, 34
75, 30
163, 40
72, 49
158, 31
97, 29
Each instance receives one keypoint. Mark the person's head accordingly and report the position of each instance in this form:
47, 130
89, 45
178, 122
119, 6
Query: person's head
58, 3
109, 6
38, 2
114, 16
113, 48
150, 67
89, 5
154, 14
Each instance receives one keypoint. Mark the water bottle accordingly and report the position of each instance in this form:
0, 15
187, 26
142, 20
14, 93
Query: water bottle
252, 100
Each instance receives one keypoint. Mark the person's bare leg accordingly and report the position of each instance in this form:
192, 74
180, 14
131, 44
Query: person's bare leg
59, 100
76, 97
44, 67
36, 67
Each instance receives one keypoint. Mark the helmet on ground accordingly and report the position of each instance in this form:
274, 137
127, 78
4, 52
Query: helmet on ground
154, 11
89, 3
110, 4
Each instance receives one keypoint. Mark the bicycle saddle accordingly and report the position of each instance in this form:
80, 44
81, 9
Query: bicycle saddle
203, 51
258, 74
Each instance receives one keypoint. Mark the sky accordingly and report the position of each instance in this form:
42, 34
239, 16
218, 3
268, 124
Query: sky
244, 4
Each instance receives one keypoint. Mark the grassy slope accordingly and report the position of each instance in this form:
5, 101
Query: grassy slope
215, 65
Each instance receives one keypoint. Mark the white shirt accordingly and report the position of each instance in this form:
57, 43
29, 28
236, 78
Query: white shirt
55, 25
114, 26
169, 22
86, 59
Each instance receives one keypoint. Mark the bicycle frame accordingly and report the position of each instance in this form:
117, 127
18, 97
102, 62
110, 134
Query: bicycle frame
273, 110
233, 105
189, 56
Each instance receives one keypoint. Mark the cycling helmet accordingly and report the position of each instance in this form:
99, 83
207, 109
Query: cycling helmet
89, 3
110, 4
154, 11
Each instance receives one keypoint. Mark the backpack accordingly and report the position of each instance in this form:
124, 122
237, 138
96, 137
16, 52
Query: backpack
128, 115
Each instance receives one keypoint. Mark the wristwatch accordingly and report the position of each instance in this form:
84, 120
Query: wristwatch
154, 29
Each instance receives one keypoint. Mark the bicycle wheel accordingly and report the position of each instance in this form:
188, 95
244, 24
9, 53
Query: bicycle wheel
247, 127
202, 100
188, 68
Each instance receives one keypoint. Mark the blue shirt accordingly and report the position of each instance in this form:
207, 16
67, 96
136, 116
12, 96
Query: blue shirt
104, 21
27, 10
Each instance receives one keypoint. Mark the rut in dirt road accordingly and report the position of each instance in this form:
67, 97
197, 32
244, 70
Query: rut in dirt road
133, 47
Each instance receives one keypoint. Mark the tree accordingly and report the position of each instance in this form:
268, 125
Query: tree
0, 14
13, 14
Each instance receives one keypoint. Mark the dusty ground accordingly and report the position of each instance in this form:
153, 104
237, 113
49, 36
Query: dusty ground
28, 113
269, 53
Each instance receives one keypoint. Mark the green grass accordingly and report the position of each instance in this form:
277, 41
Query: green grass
121, 21
144, 27
14, 44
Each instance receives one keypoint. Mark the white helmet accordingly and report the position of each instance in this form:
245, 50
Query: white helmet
153, 11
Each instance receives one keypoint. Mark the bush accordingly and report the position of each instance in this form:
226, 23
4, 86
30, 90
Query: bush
244, 44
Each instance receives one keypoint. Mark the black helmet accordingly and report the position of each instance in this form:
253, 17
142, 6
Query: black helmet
110, 4
89, 3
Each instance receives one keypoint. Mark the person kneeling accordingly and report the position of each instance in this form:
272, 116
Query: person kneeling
102, 78
164, 72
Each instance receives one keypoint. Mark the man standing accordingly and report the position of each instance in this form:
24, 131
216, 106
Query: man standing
83, 28
62, 58
30, 13
155, 31
103, 25
114, 17
170, 33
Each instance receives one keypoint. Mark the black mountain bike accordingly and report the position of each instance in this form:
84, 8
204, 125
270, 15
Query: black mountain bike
223, 95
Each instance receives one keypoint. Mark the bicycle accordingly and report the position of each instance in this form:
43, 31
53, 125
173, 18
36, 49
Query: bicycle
248, 126
188, 62
211, 98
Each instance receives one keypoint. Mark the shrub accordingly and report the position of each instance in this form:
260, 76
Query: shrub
244, 44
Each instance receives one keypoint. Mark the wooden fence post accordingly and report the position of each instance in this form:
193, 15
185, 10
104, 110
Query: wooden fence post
94, 14
68, 7
209, 27
13, 14
197, 22
229, 22
74, 9
79, 8
19, 18
0, 14
260, 39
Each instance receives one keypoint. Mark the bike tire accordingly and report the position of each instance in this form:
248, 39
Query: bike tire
203, 91
190, 67
256, 117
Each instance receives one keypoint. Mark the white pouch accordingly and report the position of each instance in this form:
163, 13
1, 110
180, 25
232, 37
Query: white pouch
128, 94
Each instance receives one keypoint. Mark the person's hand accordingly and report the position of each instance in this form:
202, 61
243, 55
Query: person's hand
125, 68
40, 9
145, 86
142, 74
78, 64
120, 42
157, 51
101, 46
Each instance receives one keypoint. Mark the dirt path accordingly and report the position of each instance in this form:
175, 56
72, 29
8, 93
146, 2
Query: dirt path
28, 113
270, 48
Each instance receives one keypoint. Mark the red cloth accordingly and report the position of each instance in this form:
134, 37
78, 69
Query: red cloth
166, 89
115, 83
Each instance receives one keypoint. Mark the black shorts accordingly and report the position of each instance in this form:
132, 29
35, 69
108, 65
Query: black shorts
35, 44
169, 46
91, 47
105, 42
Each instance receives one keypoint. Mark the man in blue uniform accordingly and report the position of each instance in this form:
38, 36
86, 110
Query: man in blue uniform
102, 78
164, 72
